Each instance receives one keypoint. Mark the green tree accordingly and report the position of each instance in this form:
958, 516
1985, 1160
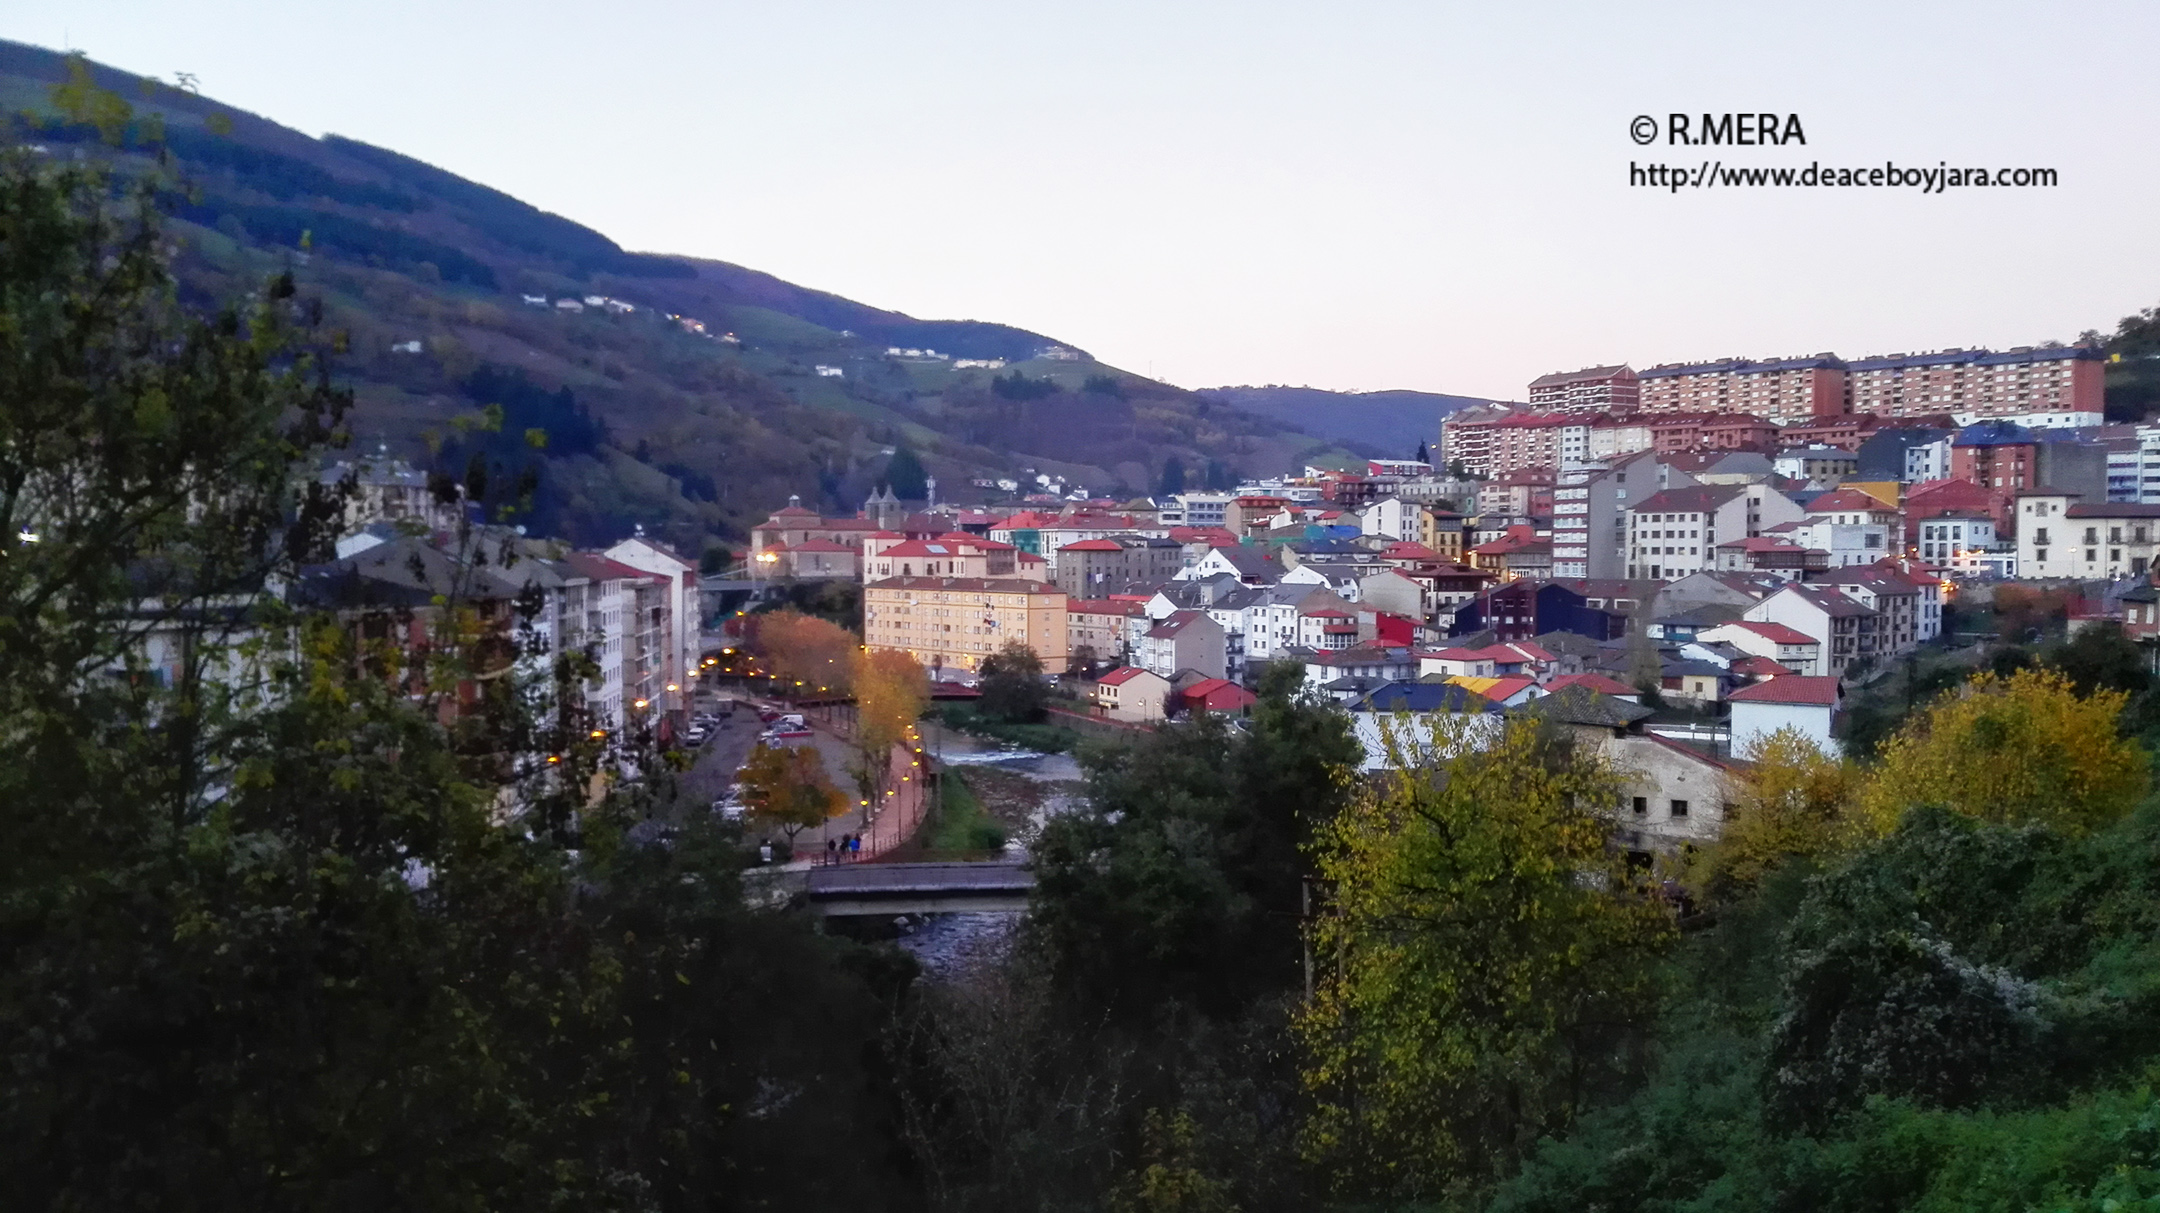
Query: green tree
905, 473
1173, 476
1480, 958
295, 914
1181, 882
1012, 684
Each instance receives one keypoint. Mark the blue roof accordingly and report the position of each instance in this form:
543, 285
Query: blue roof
1994, 433
1422, 697
1738, 366
1978, 357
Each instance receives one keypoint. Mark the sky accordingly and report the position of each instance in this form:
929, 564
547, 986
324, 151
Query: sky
1350, 195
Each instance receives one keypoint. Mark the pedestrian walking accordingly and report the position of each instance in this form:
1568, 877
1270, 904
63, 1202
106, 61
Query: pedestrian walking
855, 843
832, 850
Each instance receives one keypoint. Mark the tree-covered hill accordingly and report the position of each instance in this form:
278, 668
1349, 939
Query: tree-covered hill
688, 433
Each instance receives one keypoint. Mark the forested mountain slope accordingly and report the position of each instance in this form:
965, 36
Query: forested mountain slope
690, 434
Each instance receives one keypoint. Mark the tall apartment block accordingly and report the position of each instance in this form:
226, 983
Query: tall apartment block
1783, 391
1467, 436
1596, 389
2057, 385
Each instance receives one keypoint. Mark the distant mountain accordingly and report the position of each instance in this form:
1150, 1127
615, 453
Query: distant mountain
1388, 424
448, 293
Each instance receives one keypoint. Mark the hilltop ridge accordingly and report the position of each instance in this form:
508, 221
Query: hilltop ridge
699, 397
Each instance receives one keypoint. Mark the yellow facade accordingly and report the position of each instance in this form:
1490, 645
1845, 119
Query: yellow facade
955, 622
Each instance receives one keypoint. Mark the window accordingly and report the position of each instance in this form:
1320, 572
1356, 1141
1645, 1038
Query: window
2040, 537
1679, 808
2092, 535
2039, 555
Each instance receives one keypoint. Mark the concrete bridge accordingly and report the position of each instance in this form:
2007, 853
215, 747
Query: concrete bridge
879, 889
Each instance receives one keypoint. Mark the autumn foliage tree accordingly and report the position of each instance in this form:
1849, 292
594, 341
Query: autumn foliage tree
891, 691
2026, 749
1792, 801
785, 788
805, 653
1478, 954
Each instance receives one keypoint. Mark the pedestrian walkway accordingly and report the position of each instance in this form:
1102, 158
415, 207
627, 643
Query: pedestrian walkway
887, 819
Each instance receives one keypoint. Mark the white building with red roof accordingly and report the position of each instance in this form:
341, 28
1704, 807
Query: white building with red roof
1804, 703
1788, 646
1133, 695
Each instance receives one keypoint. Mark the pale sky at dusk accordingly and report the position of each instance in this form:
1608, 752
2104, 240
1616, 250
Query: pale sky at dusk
1354, 196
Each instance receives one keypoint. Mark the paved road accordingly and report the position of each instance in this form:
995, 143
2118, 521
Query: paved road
729, 747
718, 759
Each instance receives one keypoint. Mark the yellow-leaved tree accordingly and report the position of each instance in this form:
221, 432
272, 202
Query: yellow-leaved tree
891, 691
1479, 950
2027, 749
786, 789
1792, 801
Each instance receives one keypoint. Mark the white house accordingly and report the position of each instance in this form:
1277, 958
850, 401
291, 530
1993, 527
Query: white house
2057, 537
1850, 525
1132, 694
1845, 630
1807, 704
1956, 540
1392, 517
1788, 646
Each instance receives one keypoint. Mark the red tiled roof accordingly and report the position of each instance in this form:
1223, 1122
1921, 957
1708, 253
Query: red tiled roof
1120, 676
1846, 499
1591, 682
1759, 667
1220, 695
1091, 545
600, 568
1777, 633
1104, 606
1792, 688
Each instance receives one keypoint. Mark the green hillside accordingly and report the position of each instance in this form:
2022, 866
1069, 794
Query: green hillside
691, 435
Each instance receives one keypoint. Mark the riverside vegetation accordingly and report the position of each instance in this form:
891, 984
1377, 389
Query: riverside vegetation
306, 920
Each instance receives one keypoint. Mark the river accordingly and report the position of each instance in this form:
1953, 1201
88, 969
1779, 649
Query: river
951, 945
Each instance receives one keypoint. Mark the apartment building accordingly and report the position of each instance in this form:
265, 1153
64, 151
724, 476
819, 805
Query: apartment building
2010, 457
678, 581
955, 622
2055, 385
1784, 390
1467, 436
1538, 440
1114, 564
1677, 532
1589, 519
1676, 433
1099, 627
1590, 390
1612, 437
1845, 630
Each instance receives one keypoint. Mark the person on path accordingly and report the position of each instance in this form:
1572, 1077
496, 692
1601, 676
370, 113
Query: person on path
855, 843
832, 850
